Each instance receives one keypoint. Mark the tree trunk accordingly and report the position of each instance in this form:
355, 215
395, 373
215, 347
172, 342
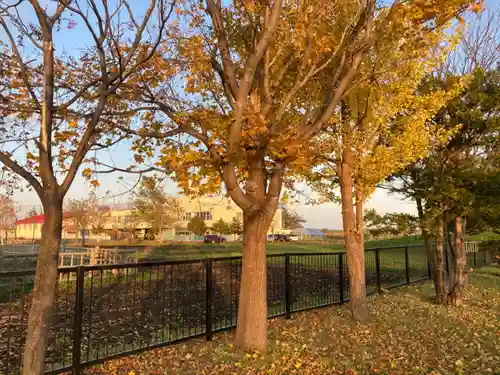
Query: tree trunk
456, 288
44, 291
353, 245
427, 242
360, 221
440, 274
83, 238
251, 329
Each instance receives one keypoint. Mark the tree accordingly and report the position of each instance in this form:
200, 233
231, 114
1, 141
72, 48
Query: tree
262, 80
395, 224
197, 226
484, 215
98, 216
445, 184
221, 227
236, 226
291, 219
78, 209
7, 215
88, 215
154, 206
56, 107
380, 127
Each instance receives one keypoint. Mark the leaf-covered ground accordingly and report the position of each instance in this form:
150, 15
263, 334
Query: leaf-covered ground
407, 335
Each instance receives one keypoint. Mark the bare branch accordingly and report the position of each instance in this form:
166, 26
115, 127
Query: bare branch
21, 63
16, 168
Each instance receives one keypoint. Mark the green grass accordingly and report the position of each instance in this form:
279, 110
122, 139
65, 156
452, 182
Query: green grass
405, 240
485, 236
493, 270
191, 251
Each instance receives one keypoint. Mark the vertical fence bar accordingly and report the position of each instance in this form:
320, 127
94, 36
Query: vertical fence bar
377, 269
341, 277
407, 265
288, 286
77, 326
209, 298
474, 259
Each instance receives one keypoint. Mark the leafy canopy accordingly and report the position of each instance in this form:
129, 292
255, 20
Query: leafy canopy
197, 226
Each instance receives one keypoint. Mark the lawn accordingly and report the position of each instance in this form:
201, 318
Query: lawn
232, 249
408, 334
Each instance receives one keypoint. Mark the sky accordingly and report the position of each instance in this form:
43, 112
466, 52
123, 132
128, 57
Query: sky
318, 216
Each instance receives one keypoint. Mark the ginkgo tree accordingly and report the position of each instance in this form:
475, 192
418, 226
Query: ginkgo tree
261, 81
56, 106
382, 125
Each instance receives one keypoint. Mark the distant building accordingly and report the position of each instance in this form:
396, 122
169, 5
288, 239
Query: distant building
117, 224
31, 227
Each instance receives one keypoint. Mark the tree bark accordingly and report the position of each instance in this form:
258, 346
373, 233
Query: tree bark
44, 291
251, 330
353, 245
360, 221
440, 274
457, 287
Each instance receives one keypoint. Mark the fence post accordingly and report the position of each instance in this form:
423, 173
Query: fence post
341, 277
474, 259
209, 299
377, 269
287, 287
407, 265
77, 326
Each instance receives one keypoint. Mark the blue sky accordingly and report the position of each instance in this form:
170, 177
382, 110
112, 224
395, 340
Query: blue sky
327, 215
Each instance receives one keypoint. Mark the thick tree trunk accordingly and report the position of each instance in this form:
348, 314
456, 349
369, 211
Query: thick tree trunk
353, 245
440, 274
44, 291
251, 330
457, 286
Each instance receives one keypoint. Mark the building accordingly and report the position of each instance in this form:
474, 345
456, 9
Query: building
120, 224
30, 228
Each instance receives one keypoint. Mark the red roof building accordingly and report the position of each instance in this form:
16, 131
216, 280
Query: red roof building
31, 227
37, 219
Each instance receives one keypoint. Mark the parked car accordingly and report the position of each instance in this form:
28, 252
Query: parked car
213, 238
293, 237
282, 238
270, 237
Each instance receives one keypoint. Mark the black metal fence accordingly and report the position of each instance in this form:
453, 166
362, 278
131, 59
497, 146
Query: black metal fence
109, 311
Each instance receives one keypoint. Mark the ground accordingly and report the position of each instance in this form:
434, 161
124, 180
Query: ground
407, 334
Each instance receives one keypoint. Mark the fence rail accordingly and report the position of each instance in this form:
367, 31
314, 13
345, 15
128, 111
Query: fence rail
108, 311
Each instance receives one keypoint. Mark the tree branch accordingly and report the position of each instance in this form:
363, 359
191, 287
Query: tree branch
18, 169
